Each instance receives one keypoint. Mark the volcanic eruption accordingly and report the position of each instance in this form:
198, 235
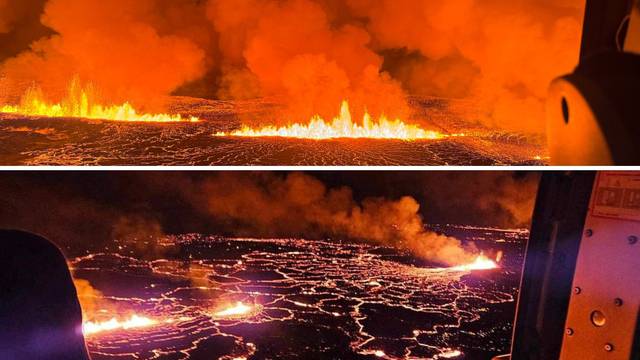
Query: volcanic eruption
296, 205
343, 127
428, 71
283, 265
81, 103
135, 321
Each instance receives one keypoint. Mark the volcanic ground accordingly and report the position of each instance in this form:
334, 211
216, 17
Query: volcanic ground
309, 299
47, 141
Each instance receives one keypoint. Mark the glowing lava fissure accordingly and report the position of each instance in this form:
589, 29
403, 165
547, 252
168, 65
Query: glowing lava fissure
343, 127
80, 103
481, 262
134, 321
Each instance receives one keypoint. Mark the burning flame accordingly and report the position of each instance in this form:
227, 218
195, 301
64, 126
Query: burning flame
343, 127
481, 263
238, 310
79, 104
135, 321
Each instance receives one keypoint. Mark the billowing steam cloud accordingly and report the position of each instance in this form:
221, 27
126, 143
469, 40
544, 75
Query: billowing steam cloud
310, 53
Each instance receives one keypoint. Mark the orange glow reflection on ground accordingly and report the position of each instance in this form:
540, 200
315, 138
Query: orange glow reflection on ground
343, 127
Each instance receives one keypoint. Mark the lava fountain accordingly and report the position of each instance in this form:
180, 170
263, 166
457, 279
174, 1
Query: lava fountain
343, 127
481, 262
80, 104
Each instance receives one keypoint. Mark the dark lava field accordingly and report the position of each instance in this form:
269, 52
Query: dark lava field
306, 299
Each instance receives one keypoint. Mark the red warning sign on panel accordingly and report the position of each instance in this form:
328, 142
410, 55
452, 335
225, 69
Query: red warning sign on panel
617, 195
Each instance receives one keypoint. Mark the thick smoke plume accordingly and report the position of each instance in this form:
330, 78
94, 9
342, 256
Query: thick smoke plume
6, 16
73, 214
494, 199
309, 53
300, 205
490, 199
120, 47
501, 53
88, 211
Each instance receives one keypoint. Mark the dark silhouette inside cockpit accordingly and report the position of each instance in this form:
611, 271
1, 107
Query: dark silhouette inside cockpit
40, 315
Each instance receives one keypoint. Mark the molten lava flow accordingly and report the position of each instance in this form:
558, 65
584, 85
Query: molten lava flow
379, 353
135, 321
448, 354
343, 127
79, 104
239, 310
481, 263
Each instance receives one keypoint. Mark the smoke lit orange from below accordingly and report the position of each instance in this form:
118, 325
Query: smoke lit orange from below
343, 127
501, 54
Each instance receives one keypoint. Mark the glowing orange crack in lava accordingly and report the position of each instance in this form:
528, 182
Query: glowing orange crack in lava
343, 127
79, 104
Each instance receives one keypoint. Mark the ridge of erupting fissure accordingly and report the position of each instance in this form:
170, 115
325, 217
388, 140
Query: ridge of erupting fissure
343, 126
82, 103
